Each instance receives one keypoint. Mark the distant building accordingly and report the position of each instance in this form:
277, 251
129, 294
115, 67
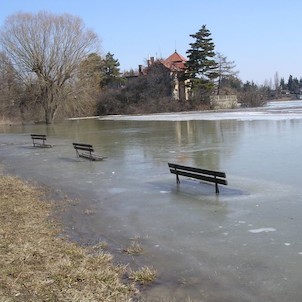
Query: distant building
175, 65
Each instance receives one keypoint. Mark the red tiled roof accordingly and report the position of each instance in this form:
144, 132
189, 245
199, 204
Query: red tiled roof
175, 62
176, 57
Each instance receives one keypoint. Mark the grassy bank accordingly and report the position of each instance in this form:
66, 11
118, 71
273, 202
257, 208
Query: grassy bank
37, 265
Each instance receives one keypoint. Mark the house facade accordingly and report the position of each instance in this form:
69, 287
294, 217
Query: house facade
176, 64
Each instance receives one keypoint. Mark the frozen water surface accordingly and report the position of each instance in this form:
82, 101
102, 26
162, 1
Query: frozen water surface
241, 245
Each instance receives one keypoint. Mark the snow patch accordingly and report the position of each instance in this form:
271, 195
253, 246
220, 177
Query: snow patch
261, 230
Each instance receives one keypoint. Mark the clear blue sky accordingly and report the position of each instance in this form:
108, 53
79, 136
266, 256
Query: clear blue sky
262, 36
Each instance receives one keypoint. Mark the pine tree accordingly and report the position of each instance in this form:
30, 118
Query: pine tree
282, 84
112, 78
201, 64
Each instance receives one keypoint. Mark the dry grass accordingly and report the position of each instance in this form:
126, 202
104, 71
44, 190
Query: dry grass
143, 276
134, 248
36, 265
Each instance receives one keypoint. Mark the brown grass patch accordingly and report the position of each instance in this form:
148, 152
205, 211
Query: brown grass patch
37, 265
143, 276
135, 248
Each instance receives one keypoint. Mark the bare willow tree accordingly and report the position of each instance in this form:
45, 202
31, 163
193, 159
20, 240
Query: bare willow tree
46, 50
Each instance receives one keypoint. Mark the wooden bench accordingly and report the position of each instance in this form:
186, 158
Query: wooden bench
88, 151
202, 174
39, 140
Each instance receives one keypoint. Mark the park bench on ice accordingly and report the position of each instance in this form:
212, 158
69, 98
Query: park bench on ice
39, 141
86, 151
201, 174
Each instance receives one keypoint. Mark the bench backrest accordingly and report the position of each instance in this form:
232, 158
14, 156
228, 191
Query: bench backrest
38, 136
84, 147
202, 174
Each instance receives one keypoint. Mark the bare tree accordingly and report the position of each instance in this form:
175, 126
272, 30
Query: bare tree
277, 84
46, 50
225, 69
9, 87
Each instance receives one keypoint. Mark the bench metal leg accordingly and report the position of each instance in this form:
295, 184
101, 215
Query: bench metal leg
216, 187
177, 177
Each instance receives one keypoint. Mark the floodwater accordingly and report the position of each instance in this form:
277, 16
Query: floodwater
241, 245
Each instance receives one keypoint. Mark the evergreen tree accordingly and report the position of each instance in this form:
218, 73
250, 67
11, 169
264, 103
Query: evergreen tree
112, 78
293, 84
296, 86
201, 65
282, 84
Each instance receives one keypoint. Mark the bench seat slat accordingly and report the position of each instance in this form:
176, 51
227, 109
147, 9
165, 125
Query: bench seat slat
89, 156
82, 145
200, 177
42, 145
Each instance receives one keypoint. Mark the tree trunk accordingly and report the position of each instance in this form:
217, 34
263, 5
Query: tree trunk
50, 103
50, 114
48, 118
